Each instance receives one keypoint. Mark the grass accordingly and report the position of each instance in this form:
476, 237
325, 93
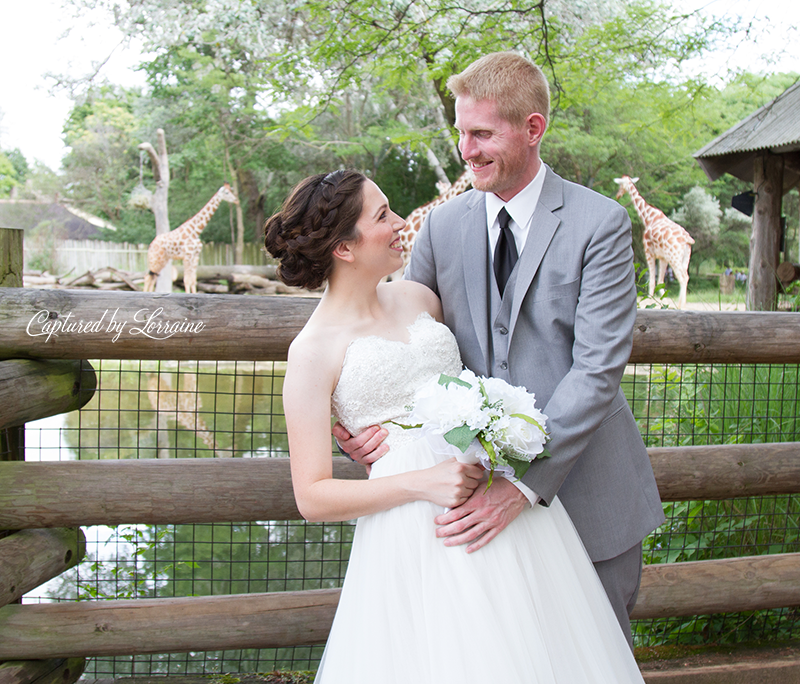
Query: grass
704, 289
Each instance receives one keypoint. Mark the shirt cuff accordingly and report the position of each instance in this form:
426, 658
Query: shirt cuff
530, 495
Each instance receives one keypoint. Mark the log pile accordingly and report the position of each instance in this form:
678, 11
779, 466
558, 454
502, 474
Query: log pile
257, 280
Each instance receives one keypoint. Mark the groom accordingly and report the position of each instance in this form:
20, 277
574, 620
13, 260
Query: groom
561, 325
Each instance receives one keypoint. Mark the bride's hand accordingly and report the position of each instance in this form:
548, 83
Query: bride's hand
450, 483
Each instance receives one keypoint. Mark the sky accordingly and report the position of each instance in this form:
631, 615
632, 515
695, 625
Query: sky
32, 45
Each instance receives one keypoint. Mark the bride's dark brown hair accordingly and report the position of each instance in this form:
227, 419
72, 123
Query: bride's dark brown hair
319, 214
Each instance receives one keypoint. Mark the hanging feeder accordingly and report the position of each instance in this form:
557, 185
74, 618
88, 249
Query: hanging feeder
141, 197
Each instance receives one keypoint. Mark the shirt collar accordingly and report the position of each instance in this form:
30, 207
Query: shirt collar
520, 208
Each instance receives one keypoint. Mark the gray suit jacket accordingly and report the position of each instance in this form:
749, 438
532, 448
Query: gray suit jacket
570, 332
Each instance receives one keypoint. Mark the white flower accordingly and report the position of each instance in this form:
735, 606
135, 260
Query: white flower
514, 399
521, 438
448, 406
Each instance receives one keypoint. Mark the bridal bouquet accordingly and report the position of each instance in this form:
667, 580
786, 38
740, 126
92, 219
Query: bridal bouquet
488, 421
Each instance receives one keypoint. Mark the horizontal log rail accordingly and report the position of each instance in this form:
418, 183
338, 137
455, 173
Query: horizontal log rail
31, 389
273, 620
55, 671
726, 471
264, 327
729, 585
150, 491
169, 625
206, 490
29, 558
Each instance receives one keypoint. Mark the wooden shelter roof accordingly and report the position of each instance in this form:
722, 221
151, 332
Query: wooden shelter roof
775, 127
70, 223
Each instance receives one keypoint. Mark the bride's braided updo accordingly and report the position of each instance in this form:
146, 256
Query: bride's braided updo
320, 213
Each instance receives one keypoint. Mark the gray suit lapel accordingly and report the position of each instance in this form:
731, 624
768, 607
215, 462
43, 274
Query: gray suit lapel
475, 259
543, 226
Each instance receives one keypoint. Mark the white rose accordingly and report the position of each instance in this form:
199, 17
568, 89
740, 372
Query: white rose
514, 399
522, 438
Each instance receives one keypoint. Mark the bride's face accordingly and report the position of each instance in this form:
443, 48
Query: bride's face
379, 231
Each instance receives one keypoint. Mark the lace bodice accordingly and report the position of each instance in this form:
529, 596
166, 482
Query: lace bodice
379, 376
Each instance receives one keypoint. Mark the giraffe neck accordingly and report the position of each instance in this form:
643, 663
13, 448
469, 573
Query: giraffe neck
645, 211
194, 226
464, 181
456, 188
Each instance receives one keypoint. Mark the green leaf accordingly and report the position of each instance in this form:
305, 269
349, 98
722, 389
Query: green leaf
405, 427
519, 465
530, 420
460, 437
447, 379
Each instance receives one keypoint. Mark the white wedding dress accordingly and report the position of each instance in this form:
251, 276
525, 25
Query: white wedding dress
528, 608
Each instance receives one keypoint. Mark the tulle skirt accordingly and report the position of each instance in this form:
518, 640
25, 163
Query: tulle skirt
528, 608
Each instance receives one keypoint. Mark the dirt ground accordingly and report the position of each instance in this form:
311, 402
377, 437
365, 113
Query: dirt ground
679, 658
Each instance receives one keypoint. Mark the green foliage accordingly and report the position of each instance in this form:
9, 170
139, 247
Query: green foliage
102, 165
700, 216
20, 164
159, 407
265, 93
8, 175
738, 404
720, 405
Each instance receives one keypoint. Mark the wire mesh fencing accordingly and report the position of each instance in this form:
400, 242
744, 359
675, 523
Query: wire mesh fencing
164, 409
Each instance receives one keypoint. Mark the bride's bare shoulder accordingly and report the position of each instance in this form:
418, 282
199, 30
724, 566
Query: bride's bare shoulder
416, 297
319, 345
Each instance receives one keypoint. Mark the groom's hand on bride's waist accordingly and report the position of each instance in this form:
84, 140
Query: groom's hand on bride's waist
483, 516
365, 448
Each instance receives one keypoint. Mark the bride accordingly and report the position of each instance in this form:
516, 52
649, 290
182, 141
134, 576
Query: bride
527, 608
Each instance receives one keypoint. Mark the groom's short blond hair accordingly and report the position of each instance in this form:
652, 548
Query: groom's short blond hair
517, 86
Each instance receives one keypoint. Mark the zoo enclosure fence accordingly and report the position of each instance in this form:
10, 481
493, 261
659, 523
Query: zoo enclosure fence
147, 409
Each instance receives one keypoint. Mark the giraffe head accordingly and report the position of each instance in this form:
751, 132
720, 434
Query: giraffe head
225, 193
625, 183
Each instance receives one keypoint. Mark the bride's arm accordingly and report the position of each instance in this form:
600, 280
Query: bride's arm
310, 378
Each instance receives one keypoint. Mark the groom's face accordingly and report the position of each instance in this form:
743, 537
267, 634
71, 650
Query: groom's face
503, 156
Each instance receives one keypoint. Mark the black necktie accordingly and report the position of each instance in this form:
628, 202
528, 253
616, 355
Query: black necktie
505, 252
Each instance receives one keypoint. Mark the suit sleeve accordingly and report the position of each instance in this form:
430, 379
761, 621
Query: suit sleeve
602, 338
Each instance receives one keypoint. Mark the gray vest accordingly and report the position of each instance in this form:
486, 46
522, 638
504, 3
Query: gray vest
499, 317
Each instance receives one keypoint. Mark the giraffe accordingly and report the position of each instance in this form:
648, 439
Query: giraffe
415, 219
664, 240
184, 243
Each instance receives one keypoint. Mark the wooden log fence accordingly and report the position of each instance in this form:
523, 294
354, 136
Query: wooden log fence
261, 328
284, 619
37, 496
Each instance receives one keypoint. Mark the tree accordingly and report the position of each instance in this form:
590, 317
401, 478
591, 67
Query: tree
102, 165
700, 216
306, 56
269, 91
19, 163
8, 175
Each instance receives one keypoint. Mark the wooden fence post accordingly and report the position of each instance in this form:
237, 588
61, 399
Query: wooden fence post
12, 440
45, 553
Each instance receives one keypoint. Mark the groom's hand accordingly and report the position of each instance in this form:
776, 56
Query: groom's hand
365, 448
483, 516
